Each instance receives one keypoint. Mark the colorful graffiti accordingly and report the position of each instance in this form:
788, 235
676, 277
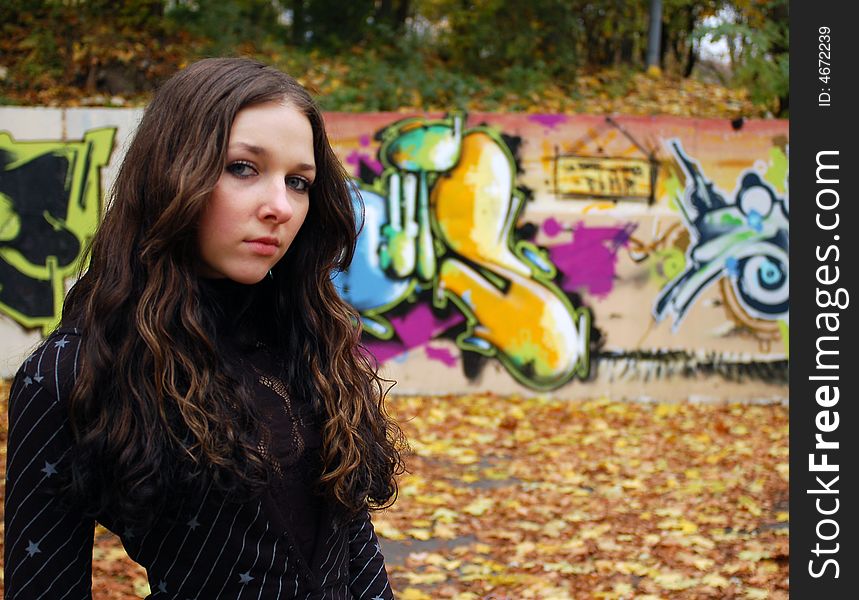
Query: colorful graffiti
50, 199
440, 219
615, 177
741, 243
588, 263
597, 177
503, 252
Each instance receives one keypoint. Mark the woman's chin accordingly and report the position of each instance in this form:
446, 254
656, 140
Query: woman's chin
247, 278
240, 276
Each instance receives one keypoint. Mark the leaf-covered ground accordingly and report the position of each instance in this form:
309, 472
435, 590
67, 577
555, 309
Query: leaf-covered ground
358, 81
551, 499
546, 498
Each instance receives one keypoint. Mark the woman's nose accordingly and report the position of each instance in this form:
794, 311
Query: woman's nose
277, 205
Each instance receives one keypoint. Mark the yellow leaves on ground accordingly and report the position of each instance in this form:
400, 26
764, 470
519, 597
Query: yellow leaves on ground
479, 506
541, 498
545, 498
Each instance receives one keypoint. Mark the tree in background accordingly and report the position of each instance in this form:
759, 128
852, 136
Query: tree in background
227, 24
93, 45
756, 32
411, 52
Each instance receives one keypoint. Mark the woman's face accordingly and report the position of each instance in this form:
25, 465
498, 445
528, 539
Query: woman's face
261, 198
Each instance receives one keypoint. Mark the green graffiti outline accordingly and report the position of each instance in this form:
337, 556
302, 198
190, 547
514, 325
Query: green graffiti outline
581, 316
777, 170
86, 159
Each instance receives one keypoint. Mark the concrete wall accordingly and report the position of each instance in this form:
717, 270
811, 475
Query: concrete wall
572, 255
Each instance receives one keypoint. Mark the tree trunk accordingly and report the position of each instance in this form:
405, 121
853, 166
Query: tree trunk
654, 52
403, 9
692, 54
691, 59
298, 28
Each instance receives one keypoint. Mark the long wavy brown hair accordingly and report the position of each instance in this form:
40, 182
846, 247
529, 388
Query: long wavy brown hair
155, 406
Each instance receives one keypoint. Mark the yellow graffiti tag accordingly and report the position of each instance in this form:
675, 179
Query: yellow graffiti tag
474, 204
515, 312
603, 177
527, 325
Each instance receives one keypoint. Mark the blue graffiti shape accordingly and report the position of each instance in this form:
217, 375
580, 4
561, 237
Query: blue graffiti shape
745, 241
365, 284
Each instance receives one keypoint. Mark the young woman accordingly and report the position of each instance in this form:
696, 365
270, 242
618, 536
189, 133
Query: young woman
206, 397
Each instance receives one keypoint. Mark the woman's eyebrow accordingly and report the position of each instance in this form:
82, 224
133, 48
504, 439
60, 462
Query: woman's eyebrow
258, 150
305, 167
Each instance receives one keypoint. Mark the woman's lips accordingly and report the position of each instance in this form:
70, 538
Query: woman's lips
264, 246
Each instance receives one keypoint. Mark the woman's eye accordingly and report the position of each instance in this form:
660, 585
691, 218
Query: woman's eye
299, 184
241, 169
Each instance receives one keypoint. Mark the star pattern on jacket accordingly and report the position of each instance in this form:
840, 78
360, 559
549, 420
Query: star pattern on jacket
49, 469
206, 549
32, 548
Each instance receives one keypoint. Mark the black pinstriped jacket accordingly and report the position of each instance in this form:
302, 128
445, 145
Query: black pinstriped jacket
217, 549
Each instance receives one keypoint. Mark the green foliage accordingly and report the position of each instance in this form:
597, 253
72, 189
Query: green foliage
508, 41
761, 60
334, 24
69, 42
390, 78
228, 24
387, 54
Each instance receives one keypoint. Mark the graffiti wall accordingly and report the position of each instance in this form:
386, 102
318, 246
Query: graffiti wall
573, 255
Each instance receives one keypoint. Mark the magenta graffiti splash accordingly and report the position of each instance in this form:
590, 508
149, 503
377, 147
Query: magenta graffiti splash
552, 227
442, 355
550, 121
420, 325
415, 328
358, 158
589, 261
384, 350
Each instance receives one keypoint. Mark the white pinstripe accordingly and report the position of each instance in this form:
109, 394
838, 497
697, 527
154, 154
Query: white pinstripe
23, 410
259, 539
238, 556
44, 508
24, 469
56, 367
57, 576
273, 556
185, 539
369, 560
41, 539
21, 441
355, 537
358, 554
23, 386
335, 563
77, 352
203, 545
330, 550
39, 363
71, 589
375, 577
280, 582
45, 564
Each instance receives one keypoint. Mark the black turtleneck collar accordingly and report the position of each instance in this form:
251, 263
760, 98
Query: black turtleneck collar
229, 306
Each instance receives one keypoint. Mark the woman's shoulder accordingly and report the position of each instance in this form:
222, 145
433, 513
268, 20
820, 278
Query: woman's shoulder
54, 364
